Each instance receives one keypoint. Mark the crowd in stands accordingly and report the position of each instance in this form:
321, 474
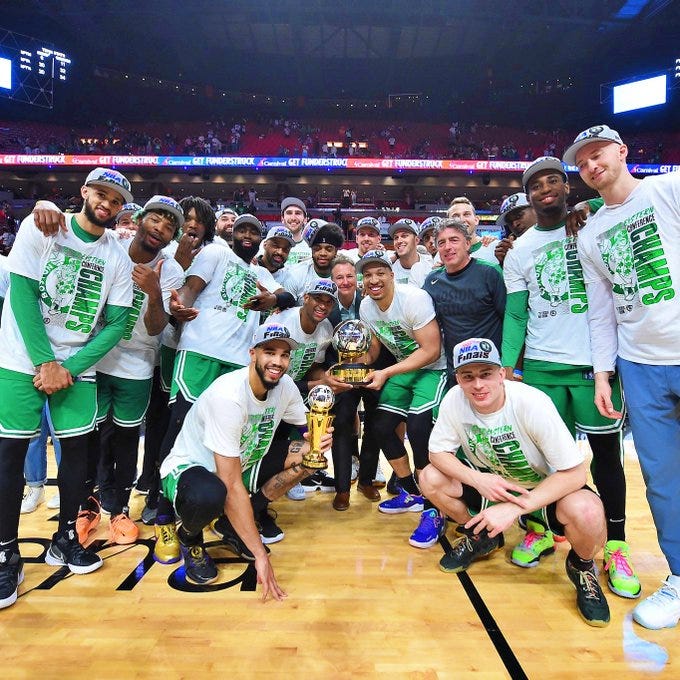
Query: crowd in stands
285, 136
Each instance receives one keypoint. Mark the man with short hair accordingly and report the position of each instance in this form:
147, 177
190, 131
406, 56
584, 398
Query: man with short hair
224, 224
463, 210
226, 460
61, 286
631, 267
294, 217
367, 237
404, 234
275, 251
546, 315
518, 457
324, 239
402, 318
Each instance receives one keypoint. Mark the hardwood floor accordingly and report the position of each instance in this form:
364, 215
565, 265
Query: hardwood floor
361, 603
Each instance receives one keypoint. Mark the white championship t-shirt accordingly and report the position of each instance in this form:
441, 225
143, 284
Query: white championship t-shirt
635, 248
223, 329
546, 264
402, 275
228, 420
76, 280
134, 357
525, 441
411, 309
311, 347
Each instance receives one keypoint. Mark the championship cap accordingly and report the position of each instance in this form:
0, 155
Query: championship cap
369, 223
429, 224
475, 351
370, 257
272, 331
168, 204
540, 164
292, 201
323, 287
221, 212
128, 209
597, 133
404, 223
245, 219
279, 231
110, 179
320, 231
513, 202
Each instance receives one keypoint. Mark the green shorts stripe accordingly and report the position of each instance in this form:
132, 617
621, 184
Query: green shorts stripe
194, 373
73, 409
167, 364
413, 392
127, 399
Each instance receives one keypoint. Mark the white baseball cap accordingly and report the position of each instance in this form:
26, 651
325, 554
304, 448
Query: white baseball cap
166, 203
597, 133
111, 179
475, 351
272, 331
513, 202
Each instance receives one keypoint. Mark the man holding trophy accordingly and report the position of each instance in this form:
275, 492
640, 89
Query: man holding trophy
226, 460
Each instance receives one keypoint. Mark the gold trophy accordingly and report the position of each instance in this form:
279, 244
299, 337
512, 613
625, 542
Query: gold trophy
351, 339
320, 400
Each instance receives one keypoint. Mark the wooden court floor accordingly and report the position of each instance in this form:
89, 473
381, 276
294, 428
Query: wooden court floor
361, 603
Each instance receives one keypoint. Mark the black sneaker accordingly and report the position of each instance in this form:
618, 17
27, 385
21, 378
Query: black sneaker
222, 528
468, 548
65, 551
270, 531
149, 514
199, 567
590, 600
393, 487
11, 577
319, 481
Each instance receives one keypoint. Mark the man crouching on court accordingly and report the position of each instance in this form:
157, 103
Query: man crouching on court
226, 451
516, 457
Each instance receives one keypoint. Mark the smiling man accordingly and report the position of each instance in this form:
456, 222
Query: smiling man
67, 306
518, 457
404, 235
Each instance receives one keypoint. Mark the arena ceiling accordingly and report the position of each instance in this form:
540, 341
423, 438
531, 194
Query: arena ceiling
360, 49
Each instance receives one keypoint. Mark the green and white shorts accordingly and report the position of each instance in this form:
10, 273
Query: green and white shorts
413, 392
127, 399
194, 373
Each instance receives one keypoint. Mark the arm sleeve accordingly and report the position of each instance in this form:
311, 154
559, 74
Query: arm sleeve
515, 326
24, 298
100, 344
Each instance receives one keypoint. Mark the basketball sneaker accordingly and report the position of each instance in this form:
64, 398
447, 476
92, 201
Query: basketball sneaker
319, 481
66, 551
469, 547
662, 608
166, 550
270, 531
590, 600
11, 577
404, 502
621, 577
88, 519
122, 530
430, 529
537, 543
33, 497
297, 493
222, 528
199, 567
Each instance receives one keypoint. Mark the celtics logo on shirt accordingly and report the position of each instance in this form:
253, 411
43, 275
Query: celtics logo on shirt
256, 437
499, 449
71, 289
559, 276
395, 338
635, 256
238, 286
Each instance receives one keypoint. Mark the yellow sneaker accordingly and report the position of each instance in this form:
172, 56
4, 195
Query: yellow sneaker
122, 530
166, 550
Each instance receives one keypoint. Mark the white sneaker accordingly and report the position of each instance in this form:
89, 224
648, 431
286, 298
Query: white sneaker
33, 497
379, 475
355, 468
53, 503
662, 608
297, 493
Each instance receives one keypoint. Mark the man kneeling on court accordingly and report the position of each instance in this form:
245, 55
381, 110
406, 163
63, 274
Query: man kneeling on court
226, 451
500, 450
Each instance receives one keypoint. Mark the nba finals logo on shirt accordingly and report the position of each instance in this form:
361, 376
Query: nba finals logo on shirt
635, 256
71, 289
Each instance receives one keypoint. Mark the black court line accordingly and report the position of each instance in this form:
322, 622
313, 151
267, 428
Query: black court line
495, 634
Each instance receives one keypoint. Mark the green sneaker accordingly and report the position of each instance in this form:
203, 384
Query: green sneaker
590, 600
621, 577
537, 543
468, 548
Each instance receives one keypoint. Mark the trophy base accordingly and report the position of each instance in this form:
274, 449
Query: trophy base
352, 374
315, 463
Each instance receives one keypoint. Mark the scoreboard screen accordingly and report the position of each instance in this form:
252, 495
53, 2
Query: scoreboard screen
30, 67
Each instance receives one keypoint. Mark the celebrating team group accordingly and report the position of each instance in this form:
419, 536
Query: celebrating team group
487, 357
